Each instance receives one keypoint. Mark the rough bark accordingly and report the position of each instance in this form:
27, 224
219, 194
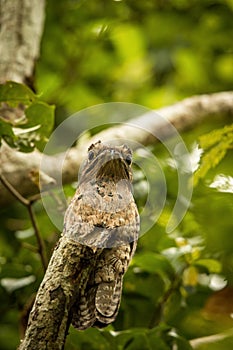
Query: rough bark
186, 114
51, 314
21, 24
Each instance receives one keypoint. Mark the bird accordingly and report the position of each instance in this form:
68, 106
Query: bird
103, 218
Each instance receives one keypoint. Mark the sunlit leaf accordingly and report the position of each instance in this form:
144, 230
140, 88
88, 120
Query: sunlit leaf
190, 276
223, 183
215, 136
212, 158
212, 265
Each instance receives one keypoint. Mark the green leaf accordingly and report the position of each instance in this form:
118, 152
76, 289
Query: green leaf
14, 93
154, 263
91, 339
35, 127
180, 343
212, 265
42, 115
221, 141
215, 136
133, 340
6, 133
160, 343
173, 306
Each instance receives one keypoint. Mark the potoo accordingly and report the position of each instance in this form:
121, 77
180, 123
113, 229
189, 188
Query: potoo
103, 218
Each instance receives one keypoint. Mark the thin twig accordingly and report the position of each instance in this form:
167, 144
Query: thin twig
28, 204
40, 241
13, 191
30, 247
173, 287
34, 198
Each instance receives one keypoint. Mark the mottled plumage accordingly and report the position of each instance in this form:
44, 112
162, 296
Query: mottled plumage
103, 217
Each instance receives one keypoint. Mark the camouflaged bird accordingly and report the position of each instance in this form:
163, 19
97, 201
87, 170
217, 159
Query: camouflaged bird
103, 218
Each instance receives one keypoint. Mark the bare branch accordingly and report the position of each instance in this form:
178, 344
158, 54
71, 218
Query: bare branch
28, 204
40, 241
183, 115
211, 339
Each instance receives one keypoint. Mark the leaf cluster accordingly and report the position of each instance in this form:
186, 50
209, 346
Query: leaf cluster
215, 146
25, 121
151, 53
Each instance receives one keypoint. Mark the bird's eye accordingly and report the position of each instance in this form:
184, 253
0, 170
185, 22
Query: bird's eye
91, 155
128, 159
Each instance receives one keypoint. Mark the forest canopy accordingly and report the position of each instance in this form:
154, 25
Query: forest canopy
179, 286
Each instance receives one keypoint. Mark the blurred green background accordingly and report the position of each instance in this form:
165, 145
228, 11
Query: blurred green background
154, 53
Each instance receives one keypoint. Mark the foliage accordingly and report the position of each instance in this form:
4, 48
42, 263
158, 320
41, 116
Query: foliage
215, 144
168, 284
34, 121
150, 53
136, 339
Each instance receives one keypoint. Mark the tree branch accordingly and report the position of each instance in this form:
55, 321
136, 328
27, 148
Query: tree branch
40, 241
211, 339
28, 204
183, 115
51, 316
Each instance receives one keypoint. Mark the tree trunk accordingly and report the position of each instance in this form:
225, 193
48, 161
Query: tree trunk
21, 24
